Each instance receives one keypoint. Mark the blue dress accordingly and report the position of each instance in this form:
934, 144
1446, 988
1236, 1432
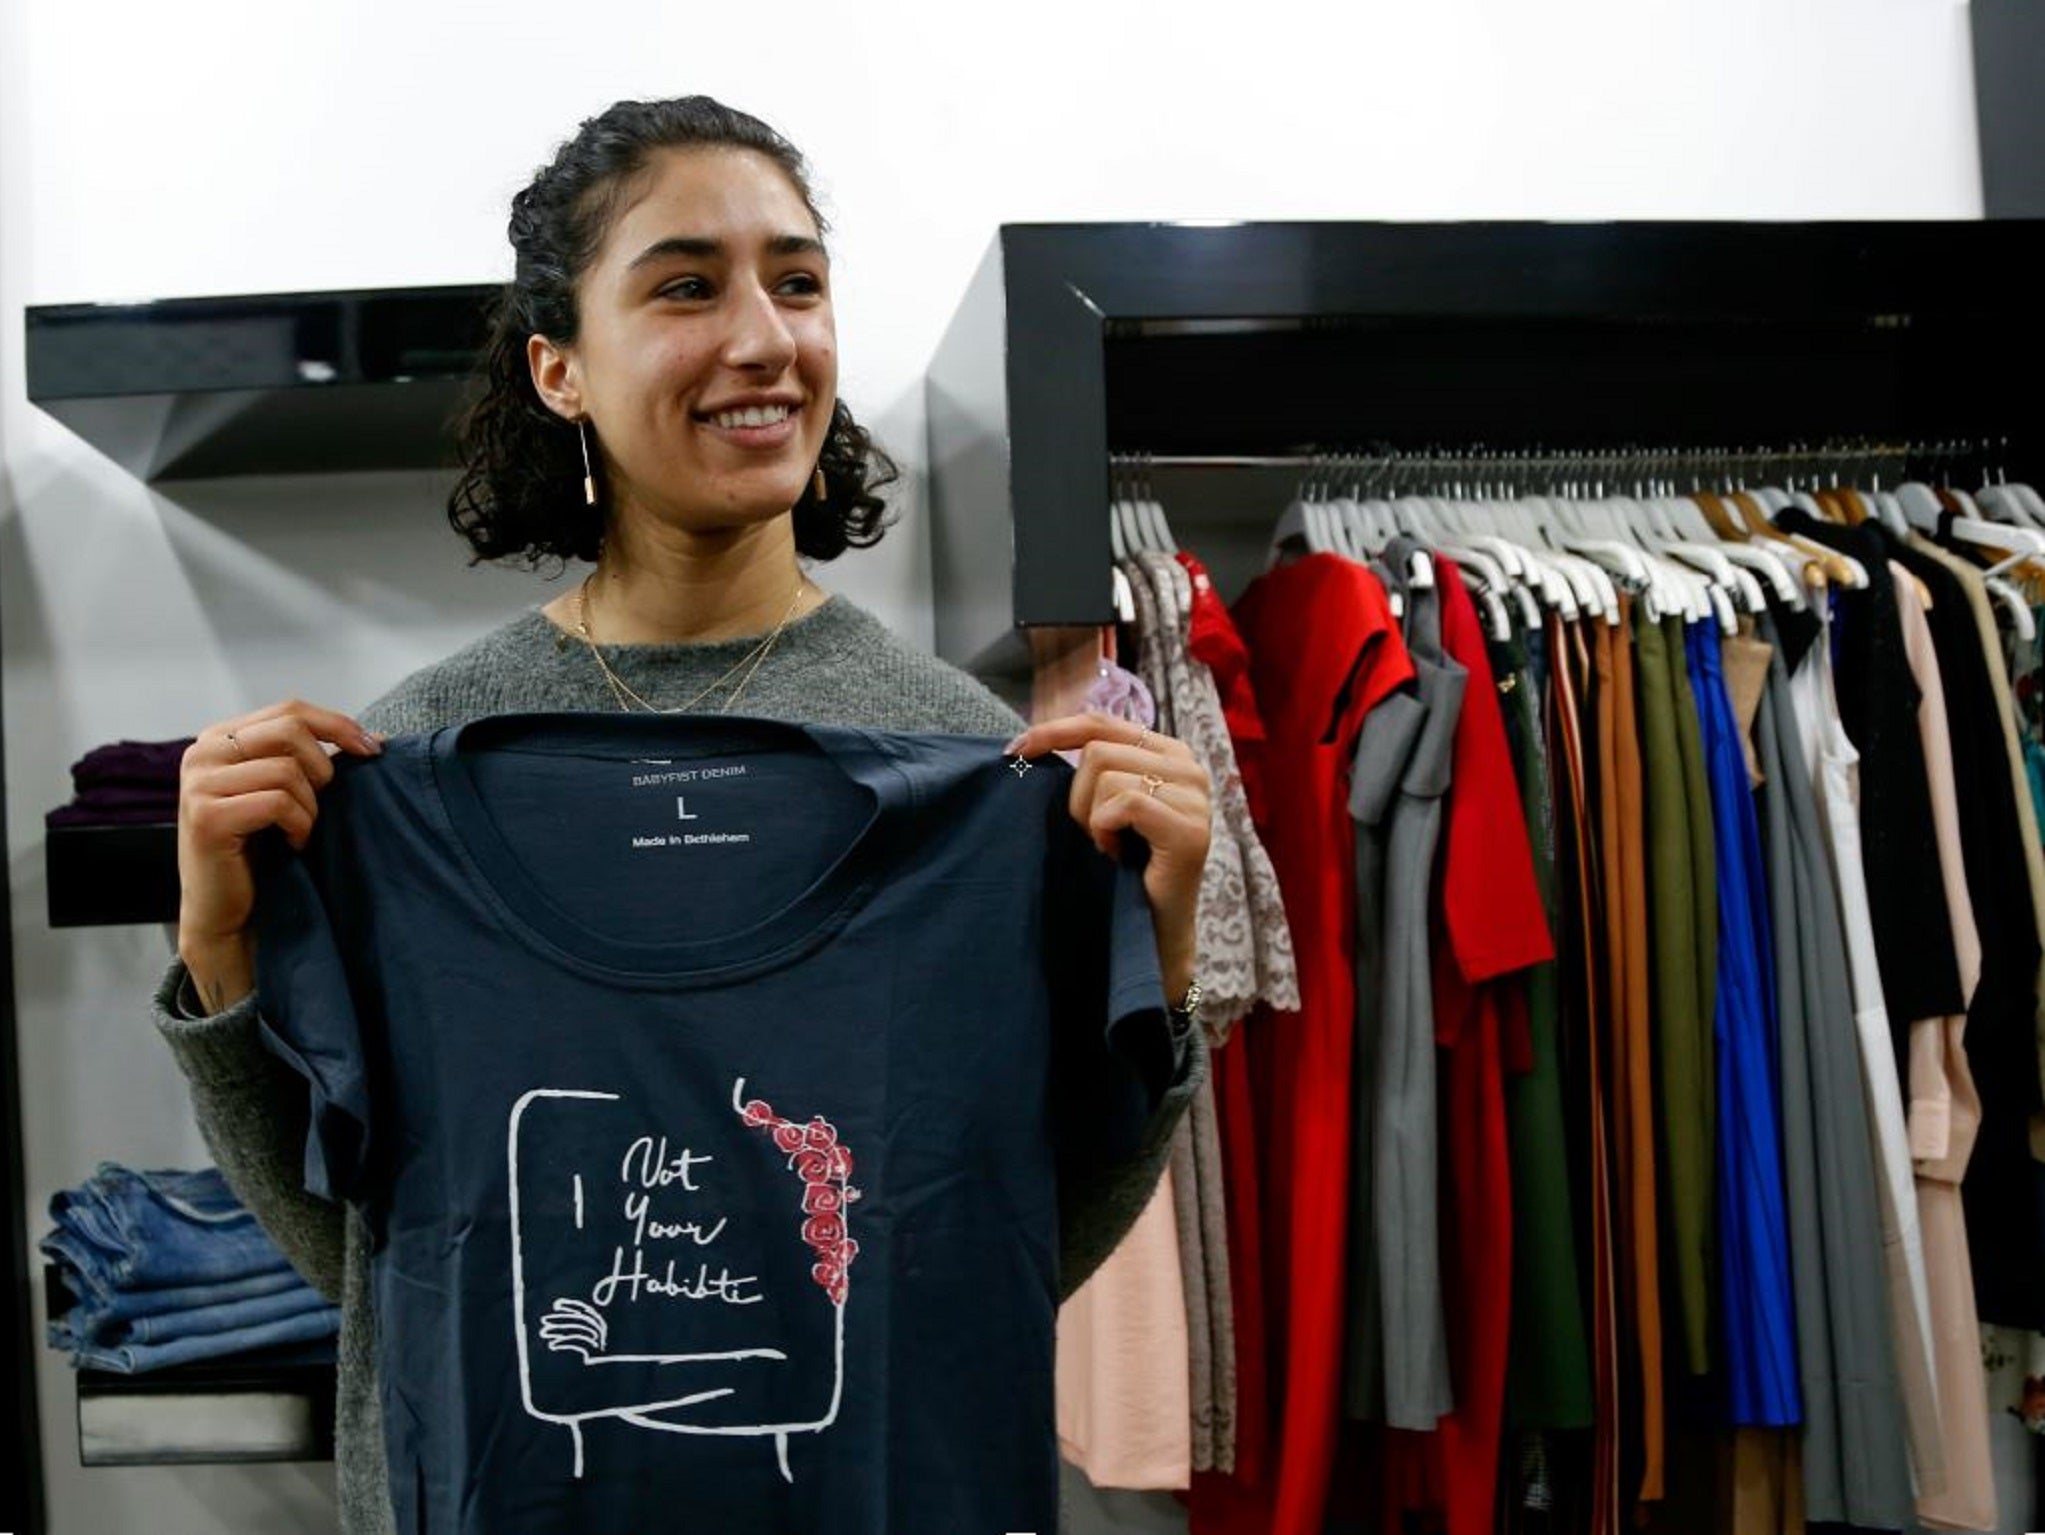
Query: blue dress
1759, 1319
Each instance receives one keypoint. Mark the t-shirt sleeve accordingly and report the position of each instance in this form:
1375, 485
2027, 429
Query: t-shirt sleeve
309, 1017
1118, 1065
1491, 905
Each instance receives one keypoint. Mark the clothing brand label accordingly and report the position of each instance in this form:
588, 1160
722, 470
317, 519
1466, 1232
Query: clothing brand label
691, 807
707, 773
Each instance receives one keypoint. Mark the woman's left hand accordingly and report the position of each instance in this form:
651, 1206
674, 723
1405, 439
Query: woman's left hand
1132, 779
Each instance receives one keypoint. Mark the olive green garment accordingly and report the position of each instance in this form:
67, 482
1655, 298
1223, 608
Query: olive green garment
1681, 1066
1549, 1382
1704, 945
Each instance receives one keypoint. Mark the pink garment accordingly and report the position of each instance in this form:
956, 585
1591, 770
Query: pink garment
1125, 1408
1945, 1114
1124, 1371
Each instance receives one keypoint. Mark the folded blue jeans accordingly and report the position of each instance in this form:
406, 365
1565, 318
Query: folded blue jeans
124, 1230
94, 1313
139, 1358
78, 1327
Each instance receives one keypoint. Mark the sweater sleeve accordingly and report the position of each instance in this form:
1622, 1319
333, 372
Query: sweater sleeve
252, 1111
1094, 1223
251, 1107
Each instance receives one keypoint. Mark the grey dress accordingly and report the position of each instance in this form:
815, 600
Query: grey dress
1412, 1332
1854, 1467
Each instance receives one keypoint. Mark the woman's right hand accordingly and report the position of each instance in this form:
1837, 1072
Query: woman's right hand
240, 777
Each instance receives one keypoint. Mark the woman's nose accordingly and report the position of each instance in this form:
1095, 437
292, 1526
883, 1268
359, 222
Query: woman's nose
760, 339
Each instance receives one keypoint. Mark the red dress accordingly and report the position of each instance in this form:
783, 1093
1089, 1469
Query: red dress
1489, 927
1324, 651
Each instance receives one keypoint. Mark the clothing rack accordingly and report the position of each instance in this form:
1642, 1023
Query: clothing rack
1478, 463
1254, 346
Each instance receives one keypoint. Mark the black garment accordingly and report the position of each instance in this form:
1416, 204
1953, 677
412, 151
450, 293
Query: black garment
2004, 1231
1878, 701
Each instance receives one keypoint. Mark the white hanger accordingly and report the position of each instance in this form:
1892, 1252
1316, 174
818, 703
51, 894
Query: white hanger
1656, 528
1689, 520
1474, 560
1300, 520
1593, 588
1920, 506
1420, 571
2024, 543
2019, 608
1521, 518
1356, 533
1600, 595
1124, 595
1890, 512
1517, 564
1500, 622
1160, 530
2002, 503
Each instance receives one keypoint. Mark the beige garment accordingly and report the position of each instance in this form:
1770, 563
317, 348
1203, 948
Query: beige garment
1124, 1375
1944, 1115
1763, 1478
1745, 662
1917, 1345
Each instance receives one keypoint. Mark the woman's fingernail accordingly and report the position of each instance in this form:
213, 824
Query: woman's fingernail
369, 743
1009, 749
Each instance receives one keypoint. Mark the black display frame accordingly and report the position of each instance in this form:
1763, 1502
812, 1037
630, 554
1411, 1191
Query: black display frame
1058, 355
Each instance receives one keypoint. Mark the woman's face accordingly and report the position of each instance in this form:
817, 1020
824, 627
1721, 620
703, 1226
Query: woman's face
707, 360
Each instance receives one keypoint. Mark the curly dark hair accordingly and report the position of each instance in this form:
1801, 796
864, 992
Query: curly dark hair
517, 499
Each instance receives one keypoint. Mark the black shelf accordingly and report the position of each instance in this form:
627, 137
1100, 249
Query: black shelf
277, 383
237, 1410
103, 875
1284, 339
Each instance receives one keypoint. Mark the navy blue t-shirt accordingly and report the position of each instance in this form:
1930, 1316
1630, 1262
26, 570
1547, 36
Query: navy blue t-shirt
709, 1087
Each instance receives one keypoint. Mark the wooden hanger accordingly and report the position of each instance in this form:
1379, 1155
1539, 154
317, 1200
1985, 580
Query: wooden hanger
1822, 568
1721, 520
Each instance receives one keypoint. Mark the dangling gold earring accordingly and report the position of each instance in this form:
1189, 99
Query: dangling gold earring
819, 487
588, 474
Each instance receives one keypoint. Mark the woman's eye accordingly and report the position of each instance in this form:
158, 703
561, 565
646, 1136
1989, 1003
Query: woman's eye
802, 282
686, 287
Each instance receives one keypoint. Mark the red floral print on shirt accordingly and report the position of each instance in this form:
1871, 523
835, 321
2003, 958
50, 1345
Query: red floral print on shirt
825, 1168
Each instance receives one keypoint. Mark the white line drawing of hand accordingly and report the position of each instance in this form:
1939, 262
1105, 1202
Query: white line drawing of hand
574, 1327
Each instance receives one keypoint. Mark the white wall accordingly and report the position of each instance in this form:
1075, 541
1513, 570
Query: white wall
223, 146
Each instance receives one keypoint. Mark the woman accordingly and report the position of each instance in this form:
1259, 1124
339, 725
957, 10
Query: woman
660, 399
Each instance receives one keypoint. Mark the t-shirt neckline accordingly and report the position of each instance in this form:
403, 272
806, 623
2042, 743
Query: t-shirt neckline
778, 939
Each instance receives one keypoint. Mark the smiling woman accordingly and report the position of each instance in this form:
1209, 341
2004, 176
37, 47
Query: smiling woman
660, 399
668, 336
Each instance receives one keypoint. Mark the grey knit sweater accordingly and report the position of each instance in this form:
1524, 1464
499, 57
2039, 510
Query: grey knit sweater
836, 665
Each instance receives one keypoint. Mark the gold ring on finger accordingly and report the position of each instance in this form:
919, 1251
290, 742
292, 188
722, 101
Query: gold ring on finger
1143, 739
1151, 784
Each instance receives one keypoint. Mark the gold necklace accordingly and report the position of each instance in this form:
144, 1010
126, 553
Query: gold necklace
623, 691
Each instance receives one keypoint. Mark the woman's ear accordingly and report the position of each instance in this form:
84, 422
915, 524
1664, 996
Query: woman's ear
555, 377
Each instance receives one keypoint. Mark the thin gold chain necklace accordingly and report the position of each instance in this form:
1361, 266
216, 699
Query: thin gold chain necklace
623, 691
